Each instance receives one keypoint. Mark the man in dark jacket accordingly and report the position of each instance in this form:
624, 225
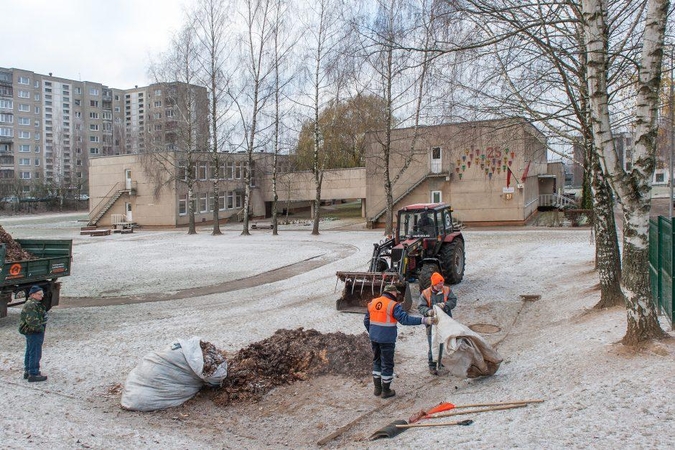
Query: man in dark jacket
436, 294
383, 314
32, 325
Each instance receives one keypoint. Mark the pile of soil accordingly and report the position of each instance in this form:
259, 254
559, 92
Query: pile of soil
289, 356
13, 251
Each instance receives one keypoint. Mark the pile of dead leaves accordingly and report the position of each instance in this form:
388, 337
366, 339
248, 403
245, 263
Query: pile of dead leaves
13, 251
289, 356
213, 358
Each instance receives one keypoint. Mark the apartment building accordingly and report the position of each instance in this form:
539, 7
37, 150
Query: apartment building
50, 127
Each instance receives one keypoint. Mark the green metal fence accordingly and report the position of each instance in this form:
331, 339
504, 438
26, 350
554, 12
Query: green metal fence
661, 264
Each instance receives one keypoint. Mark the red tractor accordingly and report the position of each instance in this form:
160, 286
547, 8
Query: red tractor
426, 241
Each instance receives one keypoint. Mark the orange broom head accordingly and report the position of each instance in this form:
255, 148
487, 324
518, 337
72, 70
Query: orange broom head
444, 406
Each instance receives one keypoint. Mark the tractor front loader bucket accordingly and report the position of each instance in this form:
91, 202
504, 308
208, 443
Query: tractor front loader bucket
361, 287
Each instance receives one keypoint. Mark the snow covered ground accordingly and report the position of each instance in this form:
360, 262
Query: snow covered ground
597, 394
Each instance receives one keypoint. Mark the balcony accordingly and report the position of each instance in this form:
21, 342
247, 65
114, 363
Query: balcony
7, 161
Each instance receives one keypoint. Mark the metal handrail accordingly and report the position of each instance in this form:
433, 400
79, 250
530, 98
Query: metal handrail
100, 205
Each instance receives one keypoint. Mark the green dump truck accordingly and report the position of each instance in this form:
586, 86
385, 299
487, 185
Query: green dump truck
51, 260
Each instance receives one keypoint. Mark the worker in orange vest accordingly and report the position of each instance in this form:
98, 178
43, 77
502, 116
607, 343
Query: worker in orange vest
436, 294
381, 318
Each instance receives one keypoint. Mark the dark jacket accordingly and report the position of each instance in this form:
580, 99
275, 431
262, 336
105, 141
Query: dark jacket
388, 334
446, 299
33, 317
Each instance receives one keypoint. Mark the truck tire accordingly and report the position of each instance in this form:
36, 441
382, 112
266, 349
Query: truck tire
452, 258
424, 279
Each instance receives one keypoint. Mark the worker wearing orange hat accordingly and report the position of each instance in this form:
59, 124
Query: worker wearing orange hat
436, 294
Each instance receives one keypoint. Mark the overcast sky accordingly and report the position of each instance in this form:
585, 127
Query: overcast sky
109, 42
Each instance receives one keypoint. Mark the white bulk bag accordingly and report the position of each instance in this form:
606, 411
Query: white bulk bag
169, 377
465, 353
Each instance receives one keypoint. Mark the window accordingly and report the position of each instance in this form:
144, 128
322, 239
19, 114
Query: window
230, 199
77, 102
157, 115
24, 94
158, 92
6, 132
24, 148
117, 98
24, 108
93, 127
182, 205
36, 97
6, 118
659, 177
24, 121
168, 113
93, 151
24, 134
93, 103
6, 104
106, 115
93, 91
238, 170
37, 110
78, 90
24, 175
78, 115
158, 104
203, 203
37, 162
93, 115
24, 161
94, 139
37, 149
117, 109
24, 80
202, 170
221, 202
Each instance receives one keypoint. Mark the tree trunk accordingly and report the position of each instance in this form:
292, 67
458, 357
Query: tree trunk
608, 256
633, 187
191, 211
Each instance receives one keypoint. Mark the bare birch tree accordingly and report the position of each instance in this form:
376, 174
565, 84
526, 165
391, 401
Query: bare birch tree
212, 27
175, 160
256, 71
400, 78
632, 187
539, 63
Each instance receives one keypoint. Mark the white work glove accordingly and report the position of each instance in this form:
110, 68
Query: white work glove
430, 312
429, 320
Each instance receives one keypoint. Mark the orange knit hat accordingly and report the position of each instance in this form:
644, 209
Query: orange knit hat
437, 278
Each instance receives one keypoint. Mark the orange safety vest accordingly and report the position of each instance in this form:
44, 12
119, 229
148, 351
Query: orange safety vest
381, 312
427, 295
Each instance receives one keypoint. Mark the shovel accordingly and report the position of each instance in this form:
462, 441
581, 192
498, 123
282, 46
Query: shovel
399, 426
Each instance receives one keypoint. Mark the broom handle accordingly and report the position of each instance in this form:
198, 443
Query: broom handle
520, 402
489, 408
437, 424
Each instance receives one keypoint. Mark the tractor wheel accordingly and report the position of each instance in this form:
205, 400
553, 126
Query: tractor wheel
424, 279
452, 258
